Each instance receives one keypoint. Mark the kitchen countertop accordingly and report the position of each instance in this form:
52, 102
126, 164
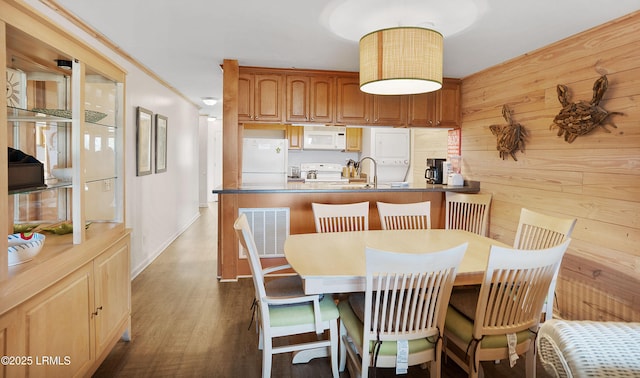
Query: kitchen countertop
319, 187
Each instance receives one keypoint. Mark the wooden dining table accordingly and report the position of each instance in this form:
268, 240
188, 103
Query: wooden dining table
335, 262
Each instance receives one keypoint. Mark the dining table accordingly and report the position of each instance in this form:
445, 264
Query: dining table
334, 262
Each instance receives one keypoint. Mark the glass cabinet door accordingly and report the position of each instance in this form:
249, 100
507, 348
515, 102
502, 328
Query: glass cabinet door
66, 117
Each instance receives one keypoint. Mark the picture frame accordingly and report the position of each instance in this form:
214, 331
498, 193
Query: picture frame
161, 143
144, 127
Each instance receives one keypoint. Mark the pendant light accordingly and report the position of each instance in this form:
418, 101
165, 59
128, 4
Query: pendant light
401, 60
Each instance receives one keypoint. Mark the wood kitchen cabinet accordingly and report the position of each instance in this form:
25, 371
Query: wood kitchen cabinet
335, 98
295, 134
436, 109
355, 107
260, 97
450, 109
310, 98
352, 105
354, 139
388, 110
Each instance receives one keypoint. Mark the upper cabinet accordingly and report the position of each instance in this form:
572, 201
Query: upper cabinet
310, 98
355, 107
260, 97
64, 131
335, 98
450, 109
436, 109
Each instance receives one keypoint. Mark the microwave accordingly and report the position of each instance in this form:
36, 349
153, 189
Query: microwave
325, 138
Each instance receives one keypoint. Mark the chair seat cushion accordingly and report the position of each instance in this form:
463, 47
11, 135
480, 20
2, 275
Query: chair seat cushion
461, 326
287, 286
297, 314
465, 300
355, 329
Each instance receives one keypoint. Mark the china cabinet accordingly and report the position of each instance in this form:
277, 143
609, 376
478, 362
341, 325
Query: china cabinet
64, 178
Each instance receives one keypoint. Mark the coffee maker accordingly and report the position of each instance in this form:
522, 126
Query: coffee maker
435, 171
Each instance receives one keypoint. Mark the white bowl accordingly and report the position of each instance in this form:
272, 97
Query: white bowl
22, 250
62, 174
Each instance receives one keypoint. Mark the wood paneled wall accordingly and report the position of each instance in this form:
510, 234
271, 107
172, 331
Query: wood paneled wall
595, 179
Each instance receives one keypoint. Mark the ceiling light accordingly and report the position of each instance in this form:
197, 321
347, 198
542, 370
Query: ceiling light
402, 60
210, 101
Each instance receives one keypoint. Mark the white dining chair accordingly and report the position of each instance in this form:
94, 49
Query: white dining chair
341, 217
288, 315
469, 212
500, 319
403, 308
405, 216
539, 231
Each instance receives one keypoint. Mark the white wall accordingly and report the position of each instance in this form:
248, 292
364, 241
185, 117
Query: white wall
159, 207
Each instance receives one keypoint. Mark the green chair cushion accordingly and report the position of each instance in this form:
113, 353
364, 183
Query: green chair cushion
297, 314
355, 328
459, 325
465, 300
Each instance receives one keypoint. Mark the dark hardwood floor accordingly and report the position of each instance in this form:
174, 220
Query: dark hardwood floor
187, 324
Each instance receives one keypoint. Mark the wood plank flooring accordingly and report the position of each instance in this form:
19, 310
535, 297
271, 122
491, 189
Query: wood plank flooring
187, 324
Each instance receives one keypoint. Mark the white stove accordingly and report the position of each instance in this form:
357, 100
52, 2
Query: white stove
325, 172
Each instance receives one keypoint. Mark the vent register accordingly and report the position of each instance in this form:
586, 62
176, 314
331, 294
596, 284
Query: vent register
270, 227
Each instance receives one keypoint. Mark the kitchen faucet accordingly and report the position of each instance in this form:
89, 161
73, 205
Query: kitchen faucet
375, 170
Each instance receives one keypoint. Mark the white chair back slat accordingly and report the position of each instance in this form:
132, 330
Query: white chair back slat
469, 212
341, 217
405, 216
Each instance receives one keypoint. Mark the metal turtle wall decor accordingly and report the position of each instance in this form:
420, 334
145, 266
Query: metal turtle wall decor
511, 137
581, 118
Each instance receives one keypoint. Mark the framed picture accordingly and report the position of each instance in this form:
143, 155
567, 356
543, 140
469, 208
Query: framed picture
161, 143
144, 123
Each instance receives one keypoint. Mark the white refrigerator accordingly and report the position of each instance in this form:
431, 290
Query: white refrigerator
264, 161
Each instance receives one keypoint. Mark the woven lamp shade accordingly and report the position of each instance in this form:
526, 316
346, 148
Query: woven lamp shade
403, 60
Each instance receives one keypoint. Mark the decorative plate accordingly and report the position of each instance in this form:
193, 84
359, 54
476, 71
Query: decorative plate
89, 115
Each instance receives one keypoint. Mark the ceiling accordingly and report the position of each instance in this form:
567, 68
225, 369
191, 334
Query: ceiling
185, 42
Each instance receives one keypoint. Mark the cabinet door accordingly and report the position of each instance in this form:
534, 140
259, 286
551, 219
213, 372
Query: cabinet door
245, 97
321, 99
297, 98
389, 110
354, 139
112, 294
268, 98
352, 104
423, 109
10, 344
295, 135
58, 324
450, 103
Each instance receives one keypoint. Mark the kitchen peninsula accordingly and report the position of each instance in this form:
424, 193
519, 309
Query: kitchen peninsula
296, 198
255, 98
